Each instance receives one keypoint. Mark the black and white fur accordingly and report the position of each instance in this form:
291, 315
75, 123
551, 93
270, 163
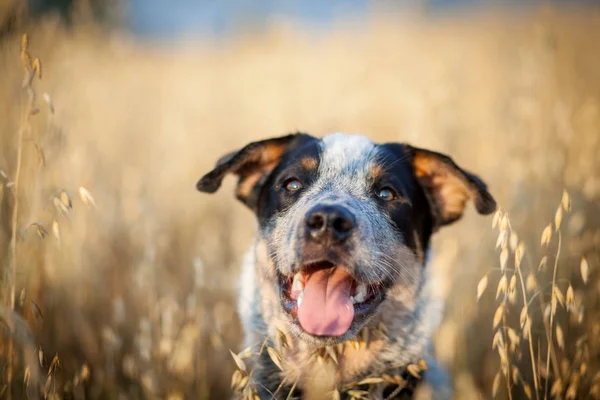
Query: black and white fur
387, 249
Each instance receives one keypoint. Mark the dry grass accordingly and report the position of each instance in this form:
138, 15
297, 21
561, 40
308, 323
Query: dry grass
396, 378
135, 295
573, 372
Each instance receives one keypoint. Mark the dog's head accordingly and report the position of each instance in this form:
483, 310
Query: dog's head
346, 221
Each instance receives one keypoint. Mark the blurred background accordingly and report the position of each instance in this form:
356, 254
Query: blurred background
119, 279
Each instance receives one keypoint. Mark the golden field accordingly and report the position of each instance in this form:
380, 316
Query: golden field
134, 291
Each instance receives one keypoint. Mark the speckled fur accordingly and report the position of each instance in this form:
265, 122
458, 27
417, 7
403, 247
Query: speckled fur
410, 313
387, 251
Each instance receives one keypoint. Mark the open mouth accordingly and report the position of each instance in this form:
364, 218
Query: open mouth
326, 300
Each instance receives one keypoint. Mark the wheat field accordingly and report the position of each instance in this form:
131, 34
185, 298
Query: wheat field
122, 277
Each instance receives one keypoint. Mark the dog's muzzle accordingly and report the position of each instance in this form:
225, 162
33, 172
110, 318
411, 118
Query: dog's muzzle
323, 295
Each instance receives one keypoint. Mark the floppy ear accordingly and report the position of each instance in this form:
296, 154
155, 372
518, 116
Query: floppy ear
252, 164
448, 187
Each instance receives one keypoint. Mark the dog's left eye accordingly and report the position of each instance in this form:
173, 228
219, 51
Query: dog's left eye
387, 194
293, 185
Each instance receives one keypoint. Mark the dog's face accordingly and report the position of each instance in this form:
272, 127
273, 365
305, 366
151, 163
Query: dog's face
346, 221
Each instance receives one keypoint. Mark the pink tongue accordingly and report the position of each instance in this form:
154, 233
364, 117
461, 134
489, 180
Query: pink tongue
326, 309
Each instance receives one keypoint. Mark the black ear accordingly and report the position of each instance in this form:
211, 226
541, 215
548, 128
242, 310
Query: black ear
252, 164
448, 187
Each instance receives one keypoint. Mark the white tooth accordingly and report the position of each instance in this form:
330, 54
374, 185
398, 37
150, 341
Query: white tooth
300, 297
352, 300
361, 293
297, 284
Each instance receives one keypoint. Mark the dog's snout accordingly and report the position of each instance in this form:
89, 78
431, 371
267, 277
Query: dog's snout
330, 223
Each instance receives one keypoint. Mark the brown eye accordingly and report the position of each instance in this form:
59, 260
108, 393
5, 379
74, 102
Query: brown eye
386, 194
293, 185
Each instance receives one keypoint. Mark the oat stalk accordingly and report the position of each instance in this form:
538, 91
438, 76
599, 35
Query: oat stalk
507, 375
31, 68
531, 352
553, 299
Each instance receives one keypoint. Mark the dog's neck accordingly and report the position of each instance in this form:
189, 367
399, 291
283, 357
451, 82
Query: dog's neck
391, 345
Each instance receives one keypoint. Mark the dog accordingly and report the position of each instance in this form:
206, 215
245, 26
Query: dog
336, 284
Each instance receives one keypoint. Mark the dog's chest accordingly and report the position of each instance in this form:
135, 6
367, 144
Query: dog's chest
324, 369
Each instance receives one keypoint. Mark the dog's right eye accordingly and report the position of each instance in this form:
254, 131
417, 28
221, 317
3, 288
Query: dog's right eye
387, 194
292, 185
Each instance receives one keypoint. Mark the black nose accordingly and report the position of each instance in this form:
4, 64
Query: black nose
330, 223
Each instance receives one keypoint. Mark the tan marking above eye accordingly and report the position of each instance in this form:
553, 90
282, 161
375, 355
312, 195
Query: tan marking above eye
309, 163
376, 172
